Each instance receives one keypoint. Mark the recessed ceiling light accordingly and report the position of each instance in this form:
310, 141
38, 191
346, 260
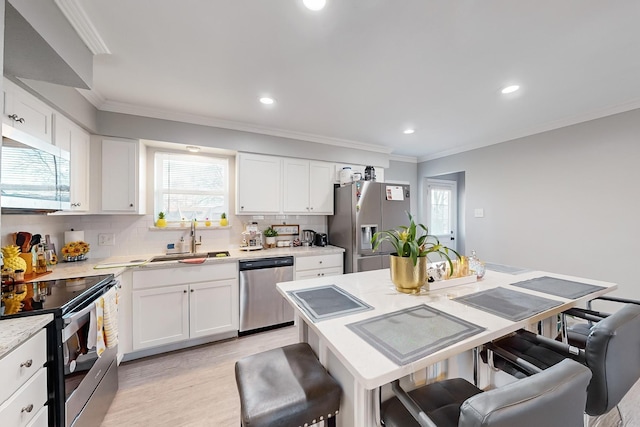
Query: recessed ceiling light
314, 4
193, 148
266, 100
510, 89
408, 131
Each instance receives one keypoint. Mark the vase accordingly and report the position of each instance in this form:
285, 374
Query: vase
407, 277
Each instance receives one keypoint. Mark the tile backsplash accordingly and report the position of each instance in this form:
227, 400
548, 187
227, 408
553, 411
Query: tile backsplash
135, 234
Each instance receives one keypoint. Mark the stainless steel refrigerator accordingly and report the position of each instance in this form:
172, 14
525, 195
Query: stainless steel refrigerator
363, 208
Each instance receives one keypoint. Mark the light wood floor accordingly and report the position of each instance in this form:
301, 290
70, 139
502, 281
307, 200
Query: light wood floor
191, 387
196, 387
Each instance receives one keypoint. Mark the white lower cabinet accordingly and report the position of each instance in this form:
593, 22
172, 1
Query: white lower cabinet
23, 393
190, 302
309, 267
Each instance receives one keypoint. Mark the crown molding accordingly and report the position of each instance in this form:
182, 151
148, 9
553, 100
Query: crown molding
406, 159
136, 110
80, 22
546, 127
94, 97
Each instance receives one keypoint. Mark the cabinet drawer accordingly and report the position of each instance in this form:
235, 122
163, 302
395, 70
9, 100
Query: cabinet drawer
22, 363
180, 275
41, 419
25, 403
318, 261
322, 272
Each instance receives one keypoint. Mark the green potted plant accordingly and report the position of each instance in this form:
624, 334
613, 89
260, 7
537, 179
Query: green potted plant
161, 222
270, 236
412, 248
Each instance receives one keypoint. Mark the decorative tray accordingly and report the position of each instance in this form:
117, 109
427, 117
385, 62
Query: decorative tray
441, 284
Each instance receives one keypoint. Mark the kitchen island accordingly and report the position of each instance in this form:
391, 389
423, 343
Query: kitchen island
362, 363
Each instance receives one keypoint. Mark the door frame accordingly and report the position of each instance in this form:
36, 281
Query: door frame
454, 220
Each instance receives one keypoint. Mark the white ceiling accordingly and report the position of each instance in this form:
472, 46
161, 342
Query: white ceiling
361, 71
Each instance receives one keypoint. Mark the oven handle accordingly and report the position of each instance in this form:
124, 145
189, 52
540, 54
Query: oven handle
74, 320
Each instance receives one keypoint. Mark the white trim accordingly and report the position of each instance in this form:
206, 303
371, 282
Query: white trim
406, 159
124, 108
557, 124
93, 96
80, 22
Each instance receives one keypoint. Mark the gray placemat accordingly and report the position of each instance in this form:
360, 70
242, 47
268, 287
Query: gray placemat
509, 304
327, 302
559, 287
410, 334
509, 269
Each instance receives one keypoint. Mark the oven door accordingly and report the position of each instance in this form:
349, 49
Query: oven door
83, 369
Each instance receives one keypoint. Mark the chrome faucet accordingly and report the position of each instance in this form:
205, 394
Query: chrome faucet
194, 244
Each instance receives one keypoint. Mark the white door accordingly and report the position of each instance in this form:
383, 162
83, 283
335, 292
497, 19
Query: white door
442, 211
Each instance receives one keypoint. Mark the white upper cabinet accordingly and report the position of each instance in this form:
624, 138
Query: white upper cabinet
258, 184
308, 187
123, 184
273, 185
296, 186
72, 138
26, 112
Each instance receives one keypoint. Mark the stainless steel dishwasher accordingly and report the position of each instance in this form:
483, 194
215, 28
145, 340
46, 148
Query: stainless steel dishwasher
261, 306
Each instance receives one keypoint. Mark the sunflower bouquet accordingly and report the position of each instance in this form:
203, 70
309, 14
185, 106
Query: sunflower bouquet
75, 251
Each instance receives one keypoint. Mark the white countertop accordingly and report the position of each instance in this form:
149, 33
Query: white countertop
87, 267
370, 367
14, 332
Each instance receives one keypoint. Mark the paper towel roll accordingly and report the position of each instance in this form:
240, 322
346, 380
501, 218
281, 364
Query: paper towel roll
73, 236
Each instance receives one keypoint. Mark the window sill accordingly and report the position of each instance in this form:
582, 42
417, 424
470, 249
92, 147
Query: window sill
188, 227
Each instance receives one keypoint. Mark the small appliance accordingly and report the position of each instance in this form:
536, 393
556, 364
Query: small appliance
307, 237
322, 239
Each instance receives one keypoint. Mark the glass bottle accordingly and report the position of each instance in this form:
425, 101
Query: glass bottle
41, 261
476, 265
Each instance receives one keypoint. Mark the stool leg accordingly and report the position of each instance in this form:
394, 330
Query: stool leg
331, 422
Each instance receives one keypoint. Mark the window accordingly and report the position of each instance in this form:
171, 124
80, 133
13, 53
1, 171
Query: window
191, 186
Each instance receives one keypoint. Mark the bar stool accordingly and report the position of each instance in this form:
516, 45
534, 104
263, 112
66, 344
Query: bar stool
286, 386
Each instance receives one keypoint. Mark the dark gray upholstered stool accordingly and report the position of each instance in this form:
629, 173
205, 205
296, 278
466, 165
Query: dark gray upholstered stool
286, 387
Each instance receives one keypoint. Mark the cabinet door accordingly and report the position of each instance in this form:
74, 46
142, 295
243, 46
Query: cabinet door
27, 112
258, 184
80, 141
74, 139
160, 316
213, 307
119, 176
321, 188
296, 186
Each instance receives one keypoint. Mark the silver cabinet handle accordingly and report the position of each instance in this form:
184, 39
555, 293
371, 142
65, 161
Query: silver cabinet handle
13, 116
27, 408
26, 364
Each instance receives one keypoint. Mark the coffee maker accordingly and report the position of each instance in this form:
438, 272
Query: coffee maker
321, 239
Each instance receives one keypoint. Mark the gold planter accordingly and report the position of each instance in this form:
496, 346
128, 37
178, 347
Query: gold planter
407, 277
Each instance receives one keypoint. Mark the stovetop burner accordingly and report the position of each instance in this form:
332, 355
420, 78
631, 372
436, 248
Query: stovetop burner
48, 296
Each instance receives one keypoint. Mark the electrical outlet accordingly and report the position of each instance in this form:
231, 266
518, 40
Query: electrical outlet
107, 239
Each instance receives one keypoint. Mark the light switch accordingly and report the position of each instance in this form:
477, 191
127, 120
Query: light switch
478, 213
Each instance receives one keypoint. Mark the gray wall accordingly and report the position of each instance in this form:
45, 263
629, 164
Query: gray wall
400, 171
564, 201
129, 126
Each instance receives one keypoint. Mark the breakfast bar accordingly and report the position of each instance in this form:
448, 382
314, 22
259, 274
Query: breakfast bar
367, 334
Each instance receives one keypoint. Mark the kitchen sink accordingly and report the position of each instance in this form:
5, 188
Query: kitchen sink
180, 257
